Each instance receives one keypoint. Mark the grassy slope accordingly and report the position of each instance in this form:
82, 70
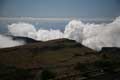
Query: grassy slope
65, 58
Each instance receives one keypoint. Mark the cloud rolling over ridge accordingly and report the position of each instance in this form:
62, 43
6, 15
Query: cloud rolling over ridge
92, 35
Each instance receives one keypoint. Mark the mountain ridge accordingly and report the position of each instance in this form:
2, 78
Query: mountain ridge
60, 59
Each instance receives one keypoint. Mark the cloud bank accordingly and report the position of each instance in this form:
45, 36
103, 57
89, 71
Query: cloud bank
29, 30
92, 35
8, 42
22, 29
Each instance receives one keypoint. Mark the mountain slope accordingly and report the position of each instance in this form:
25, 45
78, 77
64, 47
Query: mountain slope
50, 49
59, 59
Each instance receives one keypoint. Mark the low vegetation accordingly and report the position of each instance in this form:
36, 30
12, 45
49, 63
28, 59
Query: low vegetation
60, 59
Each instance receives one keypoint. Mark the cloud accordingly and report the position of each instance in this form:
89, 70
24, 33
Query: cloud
22, 29
29, 30
46, 35
92, 35
8, 42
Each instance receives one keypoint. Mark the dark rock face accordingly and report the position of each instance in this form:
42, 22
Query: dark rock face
110, 50
25, 39
59, 59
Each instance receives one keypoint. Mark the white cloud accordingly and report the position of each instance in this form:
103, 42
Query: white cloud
95, 36
8, 42
92, 35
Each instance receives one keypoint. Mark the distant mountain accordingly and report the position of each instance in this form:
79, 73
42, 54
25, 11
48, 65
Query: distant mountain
25, 39
59, 59
110, 50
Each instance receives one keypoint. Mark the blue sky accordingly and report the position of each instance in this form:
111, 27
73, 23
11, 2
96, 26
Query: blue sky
60, 8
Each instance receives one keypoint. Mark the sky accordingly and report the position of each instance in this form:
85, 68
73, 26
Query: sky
60, 8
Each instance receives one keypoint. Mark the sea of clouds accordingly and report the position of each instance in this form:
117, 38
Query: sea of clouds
94, 36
